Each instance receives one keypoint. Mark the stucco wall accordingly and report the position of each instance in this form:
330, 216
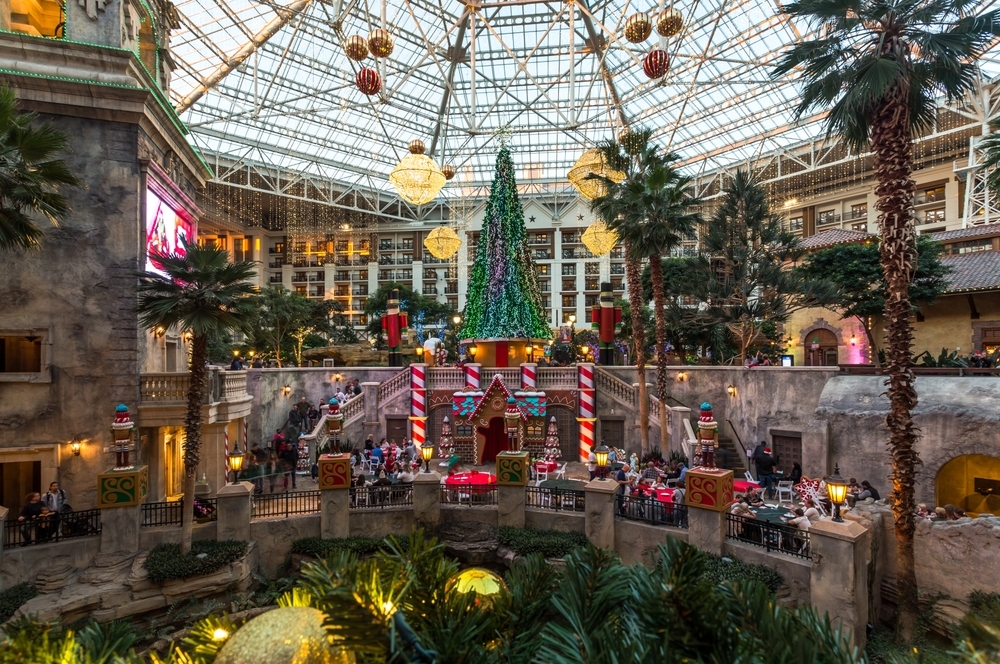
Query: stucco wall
20, 564
637, 542
794, 571
274, 537
541, 519
379, 523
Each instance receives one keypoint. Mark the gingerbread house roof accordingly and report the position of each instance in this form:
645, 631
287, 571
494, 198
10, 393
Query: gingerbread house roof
496, 383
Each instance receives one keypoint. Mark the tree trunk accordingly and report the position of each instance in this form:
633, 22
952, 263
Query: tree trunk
192, 434
656, 272
635, 302
872, 350
898, 255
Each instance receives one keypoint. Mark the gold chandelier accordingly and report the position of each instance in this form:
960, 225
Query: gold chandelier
599, 239
592, 162
417, 178
442, 242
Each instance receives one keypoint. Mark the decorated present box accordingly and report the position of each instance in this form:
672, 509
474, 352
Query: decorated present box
512, 468
335, 471
121, 488
709, 488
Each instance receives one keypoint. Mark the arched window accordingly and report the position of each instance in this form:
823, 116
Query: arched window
970, 481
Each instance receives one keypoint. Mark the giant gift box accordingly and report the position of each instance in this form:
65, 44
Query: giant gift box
512, 468
120, 488
709, 488
335, 471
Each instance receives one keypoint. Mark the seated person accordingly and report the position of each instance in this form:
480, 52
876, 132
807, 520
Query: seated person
752, 497
360, 481
377, 455
382, 480
923, 512
868, 491
810, 511
853, 486
801, 521
650, 473
406, 475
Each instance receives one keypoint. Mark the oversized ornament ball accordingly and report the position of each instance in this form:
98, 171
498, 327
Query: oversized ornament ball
638, 27
487, 585
629, 141
669, 23
449, 171
656, 64
380, 43
356, 48
368, 81
289, 635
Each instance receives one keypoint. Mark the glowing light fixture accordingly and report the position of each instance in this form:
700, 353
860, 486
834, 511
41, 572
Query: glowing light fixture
590, 163
417, 178
598, 239
427, 453
731, 390
442, 242
836, 490
76, 445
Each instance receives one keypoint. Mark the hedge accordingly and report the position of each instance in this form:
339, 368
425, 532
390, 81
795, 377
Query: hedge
165, 561
729, 569
549, 543
318, 547
13, 598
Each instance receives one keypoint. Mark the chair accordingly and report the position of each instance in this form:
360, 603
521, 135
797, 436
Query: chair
561, 472
750, 479
567, 499
785, 489
541, 474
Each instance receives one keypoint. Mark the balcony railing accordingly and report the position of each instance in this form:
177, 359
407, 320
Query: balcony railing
173, 387
285, 504
170, 513
51, 528
559, 500
773, 537
470, 495
381, 496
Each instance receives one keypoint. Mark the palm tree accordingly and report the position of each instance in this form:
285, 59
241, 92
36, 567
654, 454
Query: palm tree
202, 292
29, 175
655, 218
877, 66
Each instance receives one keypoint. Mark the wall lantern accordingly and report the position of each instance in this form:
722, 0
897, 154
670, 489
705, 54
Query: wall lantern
427, 453
160, 331
731, 390
854, 340
286, 390
75, 445
419, 350
188, 336
602, 460
681, 376
836, 490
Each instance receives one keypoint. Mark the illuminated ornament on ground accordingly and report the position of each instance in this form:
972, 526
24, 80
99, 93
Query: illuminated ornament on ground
356, 48
289, 635
630, 141
638, 27
449, 171
380, 43
599, 239
368, 81
669, 23
656, 64
591, 162
442, 242
416, 177
487, 585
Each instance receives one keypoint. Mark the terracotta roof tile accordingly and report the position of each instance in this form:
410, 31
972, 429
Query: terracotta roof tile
983, 230
973, 272
833, 237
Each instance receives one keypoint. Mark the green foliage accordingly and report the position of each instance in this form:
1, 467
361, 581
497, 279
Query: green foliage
104, 642
548, 543
30, 175
286, 322
358, 545
165, 561
420, 309
945, 359
652, 455
678, 457
731, 570
12, 598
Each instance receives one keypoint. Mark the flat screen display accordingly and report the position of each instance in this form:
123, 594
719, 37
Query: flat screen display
166, 230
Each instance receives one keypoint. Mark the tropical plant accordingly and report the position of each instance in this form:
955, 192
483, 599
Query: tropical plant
875, 68
199, 291
30, 175
283, 316
944, 359
420, 309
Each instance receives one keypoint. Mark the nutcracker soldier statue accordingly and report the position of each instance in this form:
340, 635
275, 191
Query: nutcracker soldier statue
606, 319
394, 325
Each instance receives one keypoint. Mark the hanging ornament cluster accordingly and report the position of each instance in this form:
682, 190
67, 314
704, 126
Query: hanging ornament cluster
630, 141
592, 162
417, 178
638, 27
449, 171
552, 451
446, 445
669, 23
442, 242
356, 48
380, 43
656, 63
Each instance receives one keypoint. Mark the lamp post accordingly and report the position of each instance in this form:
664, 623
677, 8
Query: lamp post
456, 320
602, 460
836, 490
472, 350
235, 462
419, 350
427, 453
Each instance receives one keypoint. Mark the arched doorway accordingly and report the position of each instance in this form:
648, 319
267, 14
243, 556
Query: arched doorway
821, 348
496, 439
970, 481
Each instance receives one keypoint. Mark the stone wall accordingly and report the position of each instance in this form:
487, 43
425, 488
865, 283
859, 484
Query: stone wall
637, 542
274, 538
379, 523
541, 519
794, 571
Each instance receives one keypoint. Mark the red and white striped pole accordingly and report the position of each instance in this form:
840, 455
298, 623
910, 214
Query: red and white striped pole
529, 377
472, 375
587, 399
418, 403
246, 438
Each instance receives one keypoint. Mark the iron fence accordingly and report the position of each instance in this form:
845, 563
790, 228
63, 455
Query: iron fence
652, 510
169, 513
381, 496
774, 537
285, 504
559, 500
52, 528
471, 495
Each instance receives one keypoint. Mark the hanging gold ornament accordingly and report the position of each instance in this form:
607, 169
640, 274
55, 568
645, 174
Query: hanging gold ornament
630, 141
669, 23
449, 171
599, 239
638, 27
592, 162
442, 242
487, 585
380, 43
417, 178
356, 48
287, 635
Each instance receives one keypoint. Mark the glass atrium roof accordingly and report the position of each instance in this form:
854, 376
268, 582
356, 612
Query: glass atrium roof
560, 74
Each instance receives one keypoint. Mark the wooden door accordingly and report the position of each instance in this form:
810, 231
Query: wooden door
496, 439
787, 451
569, 432
395, 428
612, 433
17, 479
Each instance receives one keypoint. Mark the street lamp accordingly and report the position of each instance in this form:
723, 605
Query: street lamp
472, 350
420, 352
427, 453
235, 462
836, 490
602, 460
456, 320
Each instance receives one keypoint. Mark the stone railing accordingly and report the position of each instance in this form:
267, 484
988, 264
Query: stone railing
353, 410
548, 378
395, 385
557, 378
172, 388
615, 388
445, 378
233, 385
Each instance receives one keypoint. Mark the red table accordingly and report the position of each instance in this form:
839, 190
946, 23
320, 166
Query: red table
663, 495
741, 486
547, 466
473, 478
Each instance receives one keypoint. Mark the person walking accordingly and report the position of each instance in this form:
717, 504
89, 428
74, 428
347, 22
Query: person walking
291, 460
56, 501
259, 460
765, 472
303, 407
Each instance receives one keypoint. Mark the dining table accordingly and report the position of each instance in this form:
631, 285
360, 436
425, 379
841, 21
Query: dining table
546, 466
475, 481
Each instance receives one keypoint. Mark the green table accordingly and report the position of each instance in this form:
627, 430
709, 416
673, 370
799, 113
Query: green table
568, 485
772, 514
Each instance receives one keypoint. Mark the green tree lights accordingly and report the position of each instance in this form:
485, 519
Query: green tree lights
504, 300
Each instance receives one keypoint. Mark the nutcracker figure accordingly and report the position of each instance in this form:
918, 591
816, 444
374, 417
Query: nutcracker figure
708, 436
394, 325
606, 319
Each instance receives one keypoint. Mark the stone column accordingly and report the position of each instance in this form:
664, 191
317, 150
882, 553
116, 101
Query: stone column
120, 494
335, 496
427, 500
600, 512
372, 424
708, 497
838, 580
235, 509
706, 529
120, 528
512, 476
678, 433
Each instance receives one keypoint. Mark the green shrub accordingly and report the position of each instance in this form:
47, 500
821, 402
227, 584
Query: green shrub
165, 561
729, 569
13, 598
984, 604
318, 547
549, 543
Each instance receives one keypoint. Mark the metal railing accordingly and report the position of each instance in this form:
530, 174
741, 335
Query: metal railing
381, 496
652, 510
169, 513
559, 500
285, 504
775, 537
52, 528
470, 495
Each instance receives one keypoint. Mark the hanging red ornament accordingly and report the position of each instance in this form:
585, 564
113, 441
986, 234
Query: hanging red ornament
656, 64
368, 81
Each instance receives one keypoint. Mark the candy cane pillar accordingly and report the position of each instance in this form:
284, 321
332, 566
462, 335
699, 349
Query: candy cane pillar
472, 375
587, 398
418, 403
529, 373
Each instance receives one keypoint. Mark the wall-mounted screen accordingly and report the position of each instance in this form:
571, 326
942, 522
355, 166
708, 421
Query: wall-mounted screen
166, 230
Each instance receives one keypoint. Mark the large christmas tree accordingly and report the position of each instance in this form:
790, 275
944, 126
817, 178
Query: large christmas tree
504, 300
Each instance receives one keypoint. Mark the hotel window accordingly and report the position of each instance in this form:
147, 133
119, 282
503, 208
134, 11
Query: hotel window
795, 224
241, 249
827, 217
593, 283
591, 300
406, 244
618, 252
935, 216
931, 194
453, 302
569, 284
385, 244
592, 268
569, 301
542, 269
568, 270
570, 237
859, 210
861, 226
